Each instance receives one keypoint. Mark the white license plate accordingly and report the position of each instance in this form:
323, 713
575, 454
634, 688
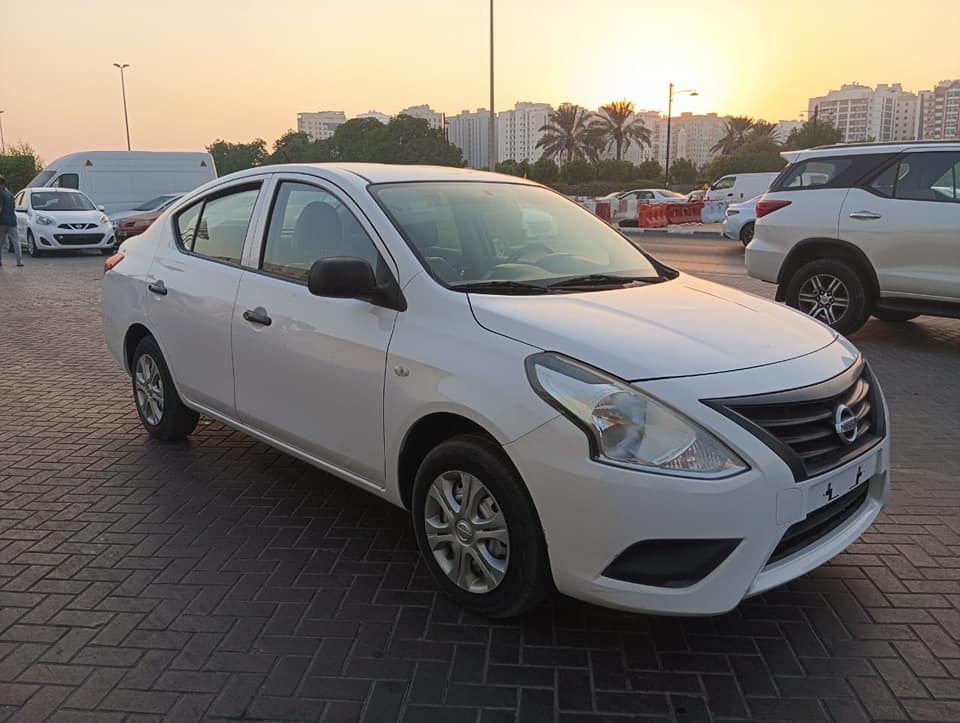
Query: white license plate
837, 485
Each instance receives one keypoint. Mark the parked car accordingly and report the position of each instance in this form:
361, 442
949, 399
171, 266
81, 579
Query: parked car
57, 219
121, 180
132, 225
155, 204
739, 187
559, 409
739, 220
625, 217
850, 231
696, 195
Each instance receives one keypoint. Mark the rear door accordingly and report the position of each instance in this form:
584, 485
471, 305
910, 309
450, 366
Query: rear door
907, 221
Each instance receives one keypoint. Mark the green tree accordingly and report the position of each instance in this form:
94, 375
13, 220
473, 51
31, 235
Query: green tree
611, 170
752, 157
577, 171
567, 135
763, 131
230, 157
812, 133
649, 169
294, 147
683, 171
737, 129
508, 167
618, 127
544, 171
403, 140
19, 165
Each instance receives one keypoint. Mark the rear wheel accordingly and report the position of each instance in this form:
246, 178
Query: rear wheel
477, 528
894, 315
162, 412
832, 291
746, 233
107, 252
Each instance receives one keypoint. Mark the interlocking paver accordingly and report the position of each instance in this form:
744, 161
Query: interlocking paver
220, 578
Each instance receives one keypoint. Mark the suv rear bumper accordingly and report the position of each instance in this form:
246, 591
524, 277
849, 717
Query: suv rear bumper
763, 260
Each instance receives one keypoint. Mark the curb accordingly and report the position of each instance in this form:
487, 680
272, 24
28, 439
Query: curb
672, 232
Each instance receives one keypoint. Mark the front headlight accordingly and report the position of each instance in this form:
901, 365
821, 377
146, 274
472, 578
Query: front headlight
45, 220
103, 220
626, 427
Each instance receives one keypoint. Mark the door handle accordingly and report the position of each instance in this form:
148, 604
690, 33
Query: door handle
865, 215
158, 288
257, 316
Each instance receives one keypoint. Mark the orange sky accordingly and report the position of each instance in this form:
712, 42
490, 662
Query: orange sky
203, 69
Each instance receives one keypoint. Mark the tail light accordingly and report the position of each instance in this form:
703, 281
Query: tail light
769, 205
112, 261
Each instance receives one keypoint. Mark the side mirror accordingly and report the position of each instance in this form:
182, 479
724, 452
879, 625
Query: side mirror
347, 277
103, 209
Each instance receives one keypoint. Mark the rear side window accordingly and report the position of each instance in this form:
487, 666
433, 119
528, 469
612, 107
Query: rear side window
723, 183
216, 227
814, 172
928, 177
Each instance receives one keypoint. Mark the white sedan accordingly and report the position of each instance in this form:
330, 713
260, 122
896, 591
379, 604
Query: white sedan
553, 406
740, 219
57, 219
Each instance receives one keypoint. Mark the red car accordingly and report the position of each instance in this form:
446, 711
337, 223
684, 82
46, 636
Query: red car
133, 225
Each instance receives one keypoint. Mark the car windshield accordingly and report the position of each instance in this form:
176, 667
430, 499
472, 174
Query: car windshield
154, 203
60, 201
488, 235
41, 179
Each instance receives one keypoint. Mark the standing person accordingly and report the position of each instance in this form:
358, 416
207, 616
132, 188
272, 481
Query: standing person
8, 222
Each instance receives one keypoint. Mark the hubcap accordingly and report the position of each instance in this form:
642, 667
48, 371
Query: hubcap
824, 297
467, 532
149, 389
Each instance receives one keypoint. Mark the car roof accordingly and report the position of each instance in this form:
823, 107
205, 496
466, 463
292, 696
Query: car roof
53, 189
858, 149
386, 173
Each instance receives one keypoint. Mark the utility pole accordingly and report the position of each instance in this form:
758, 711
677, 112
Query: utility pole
3, 145
666, 162
123, 88
492, 142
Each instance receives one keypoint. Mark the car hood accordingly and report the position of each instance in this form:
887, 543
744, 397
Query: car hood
147, 217
682, 327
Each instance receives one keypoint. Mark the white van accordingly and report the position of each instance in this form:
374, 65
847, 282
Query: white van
739, 187
120, 180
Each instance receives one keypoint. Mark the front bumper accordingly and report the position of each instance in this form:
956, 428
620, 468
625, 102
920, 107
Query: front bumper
52, 238
592, 512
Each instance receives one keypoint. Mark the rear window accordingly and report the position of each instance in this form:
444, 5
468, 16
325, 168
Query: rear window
840, 172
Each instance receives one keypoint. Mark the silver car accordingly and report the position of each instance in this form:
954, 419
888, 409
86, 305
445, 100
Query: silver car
739, 221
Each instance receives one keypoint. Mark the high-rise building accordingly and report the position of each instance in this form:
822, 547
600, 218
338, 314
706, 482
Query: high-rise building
784, 128
938, 115
861, 113
320, 125
518, 131
432, 117
471, 133
376, 115
691, 136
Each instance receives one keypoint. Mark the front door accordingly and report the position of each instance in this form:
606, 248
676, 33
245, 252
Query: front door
907, 221
309, 370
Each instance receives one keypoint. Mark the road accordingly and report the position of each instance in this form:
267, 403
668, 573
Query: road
220, 578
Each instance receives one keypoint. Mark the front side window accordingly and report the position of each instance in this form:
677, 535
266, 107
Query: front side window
813, 173
308, 224
476, 234
18, 200
928, 177
59, 201
645, 195
216, 227
724, 183
67, 180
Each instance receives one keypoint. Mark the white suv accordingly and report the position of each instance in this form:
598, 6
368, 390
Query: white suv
850, 231
552, 405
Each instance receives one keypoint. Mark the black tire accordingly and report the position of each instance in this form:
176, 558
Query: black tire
32, 247
525, 580
746, 233
858, 304
107, 252
894, 316
176, 420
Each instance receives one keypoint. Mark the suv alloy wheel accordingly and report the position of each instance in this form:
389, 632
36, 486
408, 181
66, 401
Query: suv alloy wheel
830, 291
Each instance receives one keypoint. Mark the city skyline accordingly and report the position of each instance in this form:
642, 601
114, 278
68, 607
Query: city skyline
201, 71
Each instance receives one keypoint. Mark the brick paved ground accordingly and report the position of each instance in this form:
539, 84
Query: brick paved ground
219, 578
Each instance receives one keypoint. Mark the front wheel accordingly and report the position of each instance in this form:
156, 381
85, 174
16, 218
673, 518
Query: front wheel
162, 412
32, 247
831, 291
477, 528
894, 316
746, 233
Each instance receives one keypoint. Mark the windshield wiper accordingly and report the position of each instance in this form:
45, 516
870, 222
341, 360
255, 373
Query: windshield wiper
507, 287
604, 280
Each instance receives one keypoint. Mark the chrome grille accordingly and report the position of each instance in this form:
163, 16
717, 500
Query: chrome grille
77, 226
801, 425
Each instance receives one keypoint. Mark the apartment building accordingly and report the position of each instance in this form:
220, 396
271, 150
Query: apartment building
938, 112
320, 125
432, 117
862, 113
471, 133
518, 131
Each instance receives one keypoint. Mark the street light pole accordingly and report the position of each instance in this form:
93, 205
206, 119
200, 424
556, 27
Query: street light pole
492, 142
3, 145
123, 89
666, 162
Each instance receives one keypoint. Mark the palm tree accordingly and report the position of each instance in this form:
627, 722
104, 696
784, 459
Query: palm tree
567, 134
736, 135
763, 131
618, 127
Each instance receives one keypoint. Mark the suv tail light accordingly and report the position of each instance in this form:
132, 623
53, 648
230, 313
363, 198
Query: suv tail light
769, 205
112, 261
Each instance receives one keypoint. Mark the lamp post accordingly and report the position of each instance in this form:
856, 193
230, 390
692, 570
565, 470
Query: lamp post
666, 163
3, 146
492, 141
123, 89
